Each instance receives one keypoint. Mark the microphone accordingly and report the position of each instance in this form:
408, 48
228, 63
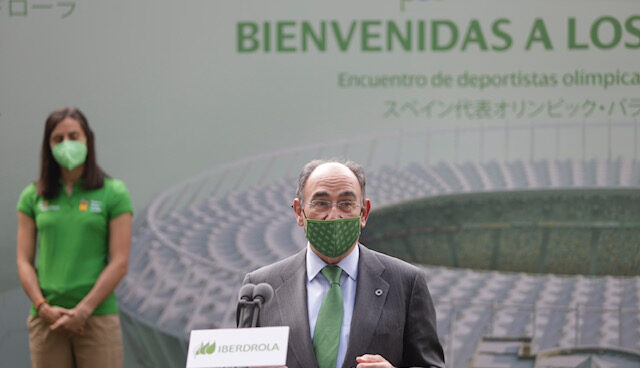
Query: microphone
262, 293
245, 298
246, 292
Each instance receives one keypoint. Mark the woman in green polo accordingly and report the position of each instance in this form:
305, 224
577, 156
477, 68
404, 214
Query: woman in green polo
82, 219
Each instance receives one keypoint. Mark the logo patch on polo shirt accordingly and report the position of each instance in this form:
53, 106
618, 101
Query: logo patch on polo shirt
95, 206
83, 206
46, 206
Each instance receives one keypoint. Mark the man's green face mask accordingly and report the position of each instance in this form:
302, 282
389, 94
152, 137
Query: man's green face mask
333, 238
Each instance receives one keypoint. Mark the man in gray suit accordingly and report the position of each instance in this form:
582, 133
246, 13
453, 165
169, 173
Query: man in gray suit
372, 310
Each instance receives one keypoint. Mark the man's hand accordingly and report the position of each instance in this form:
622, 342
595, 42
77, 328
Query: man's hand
72, 320
372, 361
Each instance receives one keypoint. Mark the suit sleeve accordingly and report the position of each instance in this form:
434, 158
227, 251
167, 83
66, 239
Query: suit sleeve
247, 279
422, 347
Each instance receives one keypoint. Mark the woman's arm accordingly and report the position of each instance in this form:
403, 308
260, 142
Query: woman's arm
25, 253
24, 257
119, 243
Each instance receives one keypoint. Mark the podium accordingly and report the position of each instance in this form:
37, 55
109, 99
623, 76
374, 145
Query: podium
242, 347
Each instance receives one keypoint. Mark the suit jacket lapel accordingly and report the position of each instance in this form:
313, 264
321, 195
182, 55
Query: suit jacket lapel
291, 297
368, 306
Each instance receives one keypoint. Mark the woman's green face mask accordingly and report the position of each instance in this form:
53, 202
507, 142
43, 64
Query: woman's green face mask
70, 154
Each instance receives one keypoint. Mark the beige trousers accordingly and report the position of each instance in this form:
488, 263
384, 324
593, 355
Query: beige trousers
99, 346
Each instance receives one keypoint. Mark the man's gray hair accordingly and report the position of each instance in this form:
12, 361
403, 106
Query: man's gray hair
355, 168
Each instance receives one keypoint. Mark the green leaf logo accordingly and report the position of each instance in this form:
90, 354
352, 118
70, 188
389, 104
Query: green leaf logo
207, 348
211, 348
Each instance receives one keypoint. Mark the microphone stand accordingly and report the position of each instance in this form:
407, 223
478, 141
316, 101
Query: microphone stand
257, 303
245, 311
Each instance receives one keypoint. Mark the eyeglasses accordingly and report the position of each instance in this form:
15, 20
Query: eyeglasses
323, 206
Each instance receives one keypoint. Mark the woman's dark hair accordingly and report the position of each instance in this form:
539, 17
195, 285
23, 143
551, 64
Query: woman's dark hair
93, 177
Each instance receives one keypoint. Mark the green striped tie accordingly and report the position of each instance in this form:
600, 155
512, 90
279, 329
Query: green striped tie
326, 335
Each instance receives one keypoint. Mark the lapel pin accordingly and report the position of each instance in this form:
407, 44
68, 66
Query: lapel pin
378, 292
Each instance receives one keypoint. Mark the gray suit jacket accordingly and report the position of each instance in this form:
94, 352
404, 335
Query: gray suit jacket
399, 324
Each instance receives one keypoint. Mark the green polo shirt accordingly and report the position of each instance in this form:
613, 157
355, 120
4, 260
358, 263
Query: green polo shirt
73, 233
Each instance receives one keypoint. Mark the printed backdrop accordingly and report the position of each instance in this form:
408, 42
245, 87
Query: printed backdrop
172, 88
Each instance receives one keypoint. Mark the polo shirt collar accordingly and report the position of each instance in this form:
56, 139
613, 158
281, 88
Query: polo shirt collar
348, 264
77, 183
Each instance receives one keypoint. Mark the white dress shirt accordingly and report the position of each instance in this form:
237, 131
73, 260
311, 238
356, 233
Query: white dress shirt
318, 286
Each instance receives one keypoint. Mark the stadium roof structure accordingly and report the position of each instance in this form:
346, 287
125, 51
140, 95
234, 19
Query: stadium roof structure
194, 243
